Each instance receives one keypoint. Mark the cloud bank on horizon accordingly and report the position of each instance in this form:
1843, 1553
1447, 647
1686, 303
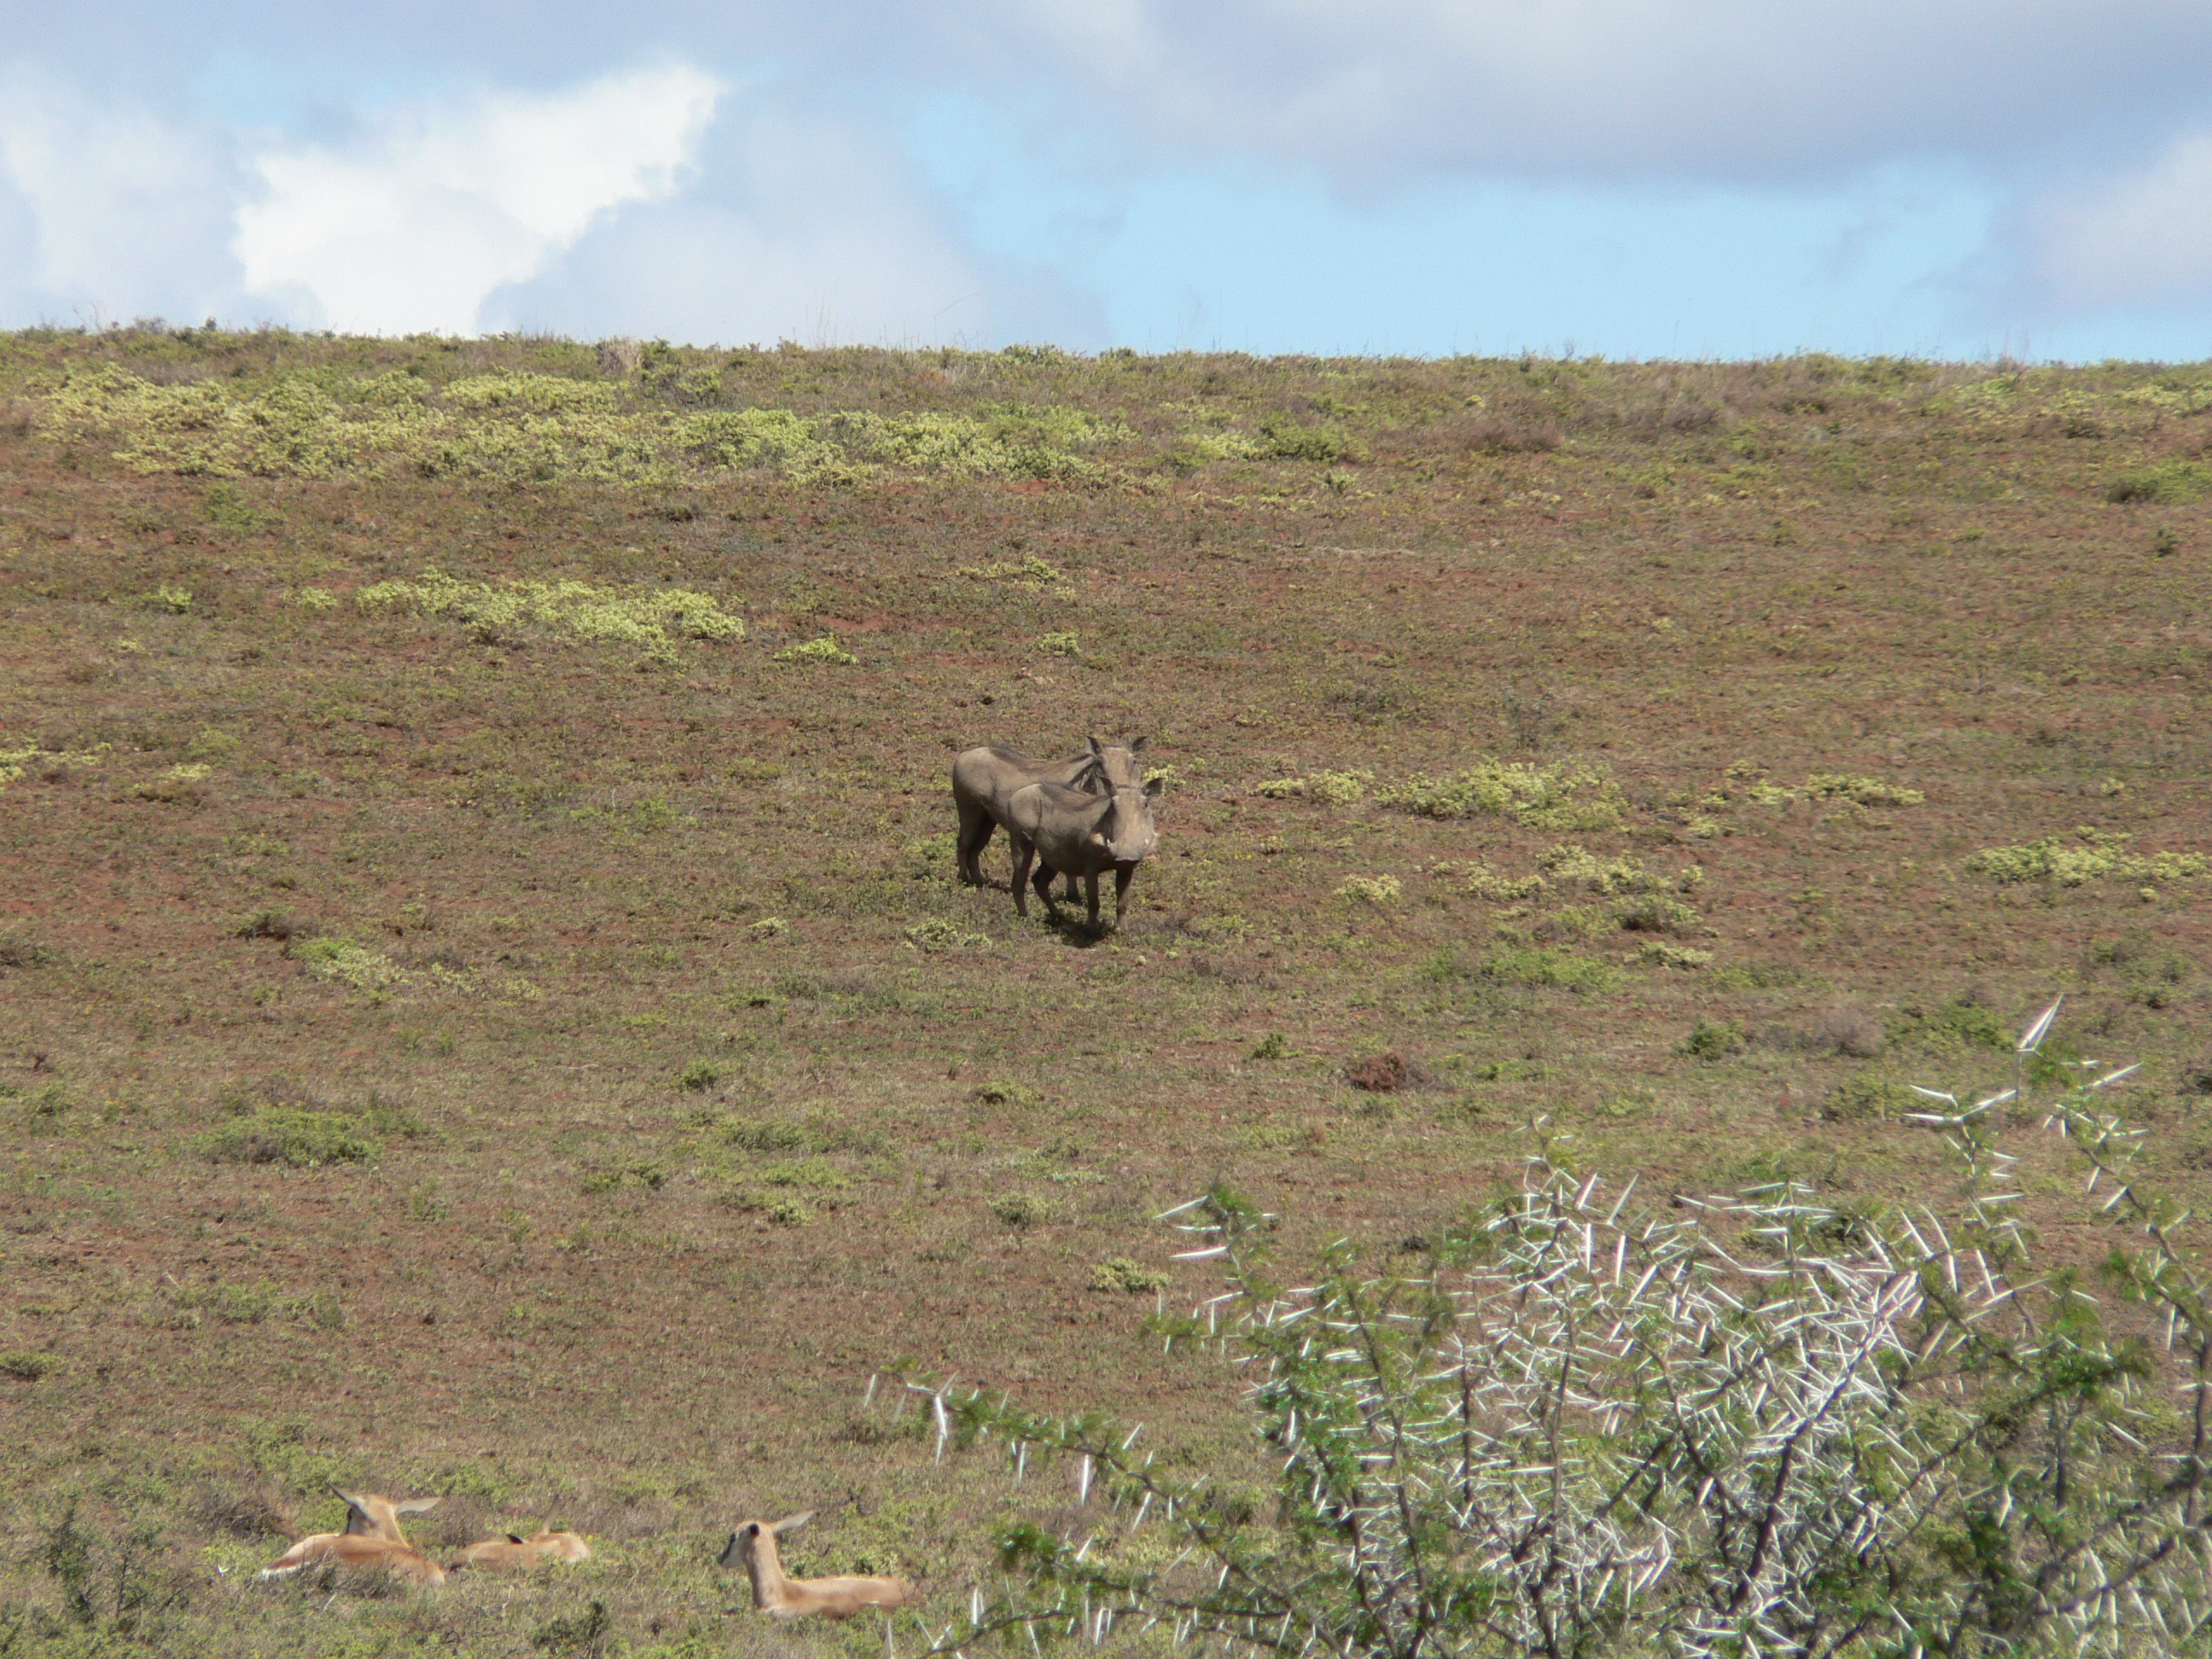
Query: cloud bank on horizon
1638, 177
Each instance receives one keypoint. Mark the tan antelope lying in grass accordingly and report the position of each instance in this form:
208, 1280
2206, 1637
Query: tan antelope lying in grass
372, 1538
503, 1554
1075, 834
753, 1547
984, 780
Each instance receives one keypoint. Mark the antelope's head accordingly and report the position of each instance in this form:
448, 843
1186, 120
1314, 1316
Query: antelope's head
370, 1515
753, 1546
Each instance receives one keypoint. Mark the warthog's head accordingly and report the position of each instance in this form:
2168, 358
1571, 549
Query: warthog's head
1113, 765
1126, 832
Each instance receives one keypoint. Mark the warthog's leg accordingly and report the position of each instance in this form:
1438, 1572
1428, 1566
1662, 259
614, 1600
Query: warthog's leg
1044, 879
1123, 874
1024, 850
976, 827
1091, 896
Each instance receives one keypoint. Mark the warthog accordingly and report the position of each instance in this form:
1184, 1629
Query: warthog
1075, 834
984, 780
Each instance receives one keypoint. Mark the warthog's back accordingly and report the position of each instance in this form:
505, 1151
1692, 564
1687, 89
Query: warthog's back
989, 776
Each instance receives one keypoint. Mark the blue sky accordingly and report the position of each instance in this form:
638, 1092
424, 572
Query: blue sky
1634, 178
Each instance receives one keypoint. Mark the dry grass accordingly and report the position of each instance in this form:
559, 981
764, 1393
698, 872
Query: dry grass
554, 1070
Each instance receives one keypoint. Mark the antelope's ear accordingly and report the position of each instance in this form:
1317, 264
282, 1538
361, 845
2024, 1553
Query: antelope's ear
792, 1522
729, 1552
357, 1518
514, 1538
417, 1505
1136, 744
1097, 753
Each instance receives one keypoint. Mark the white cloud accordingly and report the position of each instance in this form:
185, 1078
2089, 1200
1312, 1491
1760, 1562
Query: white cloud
1717, 90
121, 211
802, 227
414, 226
2136, 240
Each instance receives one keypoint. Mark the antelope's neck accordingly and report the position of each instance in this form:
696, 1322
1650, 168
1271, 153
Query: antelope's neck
765, 1569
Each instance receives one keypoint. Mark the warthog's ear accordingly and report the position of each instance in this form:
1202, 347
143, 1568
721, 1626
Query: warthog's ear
792, 1522
1136, 744
1152, 786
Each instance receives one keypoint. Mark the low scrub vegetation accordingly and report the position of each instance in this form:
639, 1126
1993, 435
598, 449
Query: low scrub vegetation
1583, 1428
509, 1036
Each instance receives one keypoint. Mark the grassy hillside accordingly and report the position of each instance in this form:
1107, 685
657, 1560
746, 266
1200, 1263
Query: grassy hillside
484, 1007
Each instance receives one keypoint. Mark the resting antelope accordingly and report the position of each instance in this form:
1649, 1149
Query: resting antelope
514, 1550
1065, 830
753, 1547
984, 781
372, 1538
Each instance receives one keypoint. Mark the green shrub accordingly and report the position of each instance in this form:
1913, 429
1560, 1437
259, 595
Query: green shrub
1953, 1028
825, 650
1541, 798
774, 1135
815, 1174
1857, 1099
1329, 788
336, 957
698, 1077
2171, 482
284, 1134
2092, 854
652, 617
1285, 440
1377, 890
1660, 914
1120, 1274
1862, 791
1574, 866
1032, 572
1714, 1039
1549, 968
1022, 1210
942, 933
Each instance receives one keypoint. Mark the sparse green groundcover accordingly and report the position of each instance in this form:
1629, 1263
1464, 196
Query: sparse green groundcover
654, 618
515, 1039
2089, 855
527, 425
1541, 798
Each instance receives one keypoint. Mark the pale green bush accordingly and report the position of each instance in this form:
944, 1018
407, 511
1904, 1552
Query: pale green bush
1542, 797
